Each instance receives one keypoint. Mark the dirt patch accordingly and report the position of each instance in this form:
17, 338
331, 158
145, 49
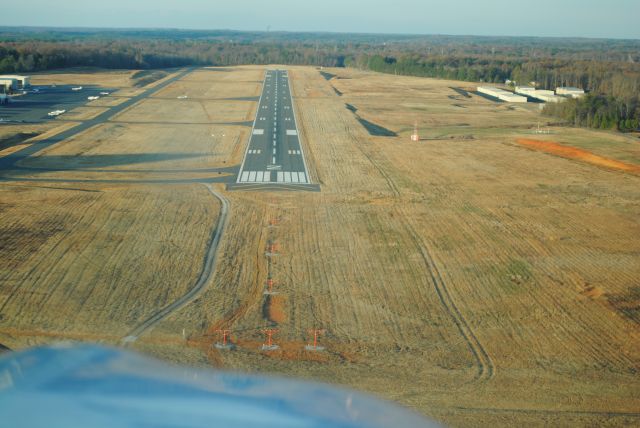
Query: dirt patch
593, 292
578, 154
274, 309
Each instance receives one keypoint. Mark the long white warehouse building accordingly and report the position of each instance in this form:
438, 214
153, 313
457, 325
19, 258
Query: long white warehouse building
539, 94
501, 94
570, 91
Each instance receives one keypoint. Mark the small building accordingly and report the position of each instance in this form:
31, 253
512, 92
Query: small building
570, 91
22, 82
548, 97
501, 94
8, 84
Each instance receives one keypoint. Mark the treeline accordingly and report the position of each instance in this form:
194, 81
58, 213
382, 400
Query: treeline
599, 111
349, 43
445, 67
148, 54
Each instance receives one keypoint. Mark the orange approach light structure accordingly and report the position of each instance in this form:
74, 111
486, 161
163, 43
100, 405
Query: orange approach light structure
269, 345
270, 283
315, 347
272, 249
225, 343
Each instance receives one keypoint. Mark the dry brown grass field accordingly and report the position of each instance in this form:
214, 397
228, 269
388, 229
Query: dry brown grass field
475, 280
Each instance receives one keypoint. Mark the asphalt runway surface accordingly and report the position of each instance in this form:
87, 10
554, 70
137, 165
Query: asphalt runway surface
274, 153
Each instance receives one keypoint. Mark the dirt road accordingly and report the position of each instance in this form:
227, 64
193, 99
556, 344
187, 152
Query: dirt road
205, 276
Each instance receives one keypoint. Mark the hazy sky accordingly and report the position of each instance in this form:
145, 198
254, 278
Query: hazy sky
585, 18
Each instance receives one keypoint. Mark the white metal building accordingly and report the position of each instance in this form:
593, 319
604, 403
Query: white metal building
547, 97
539, 94
501, 94
570, 91
22, 82
8, 83
524, 89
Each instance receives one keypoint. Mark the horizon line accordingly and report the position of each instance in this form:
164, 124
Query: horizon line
44, 27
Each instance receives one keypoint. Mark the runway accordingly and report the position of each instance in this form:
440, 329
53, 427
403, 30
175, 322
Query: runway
274, 153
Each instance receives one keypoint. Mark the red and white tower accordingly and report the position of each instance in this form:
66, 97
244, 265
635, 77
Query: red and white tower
415, 136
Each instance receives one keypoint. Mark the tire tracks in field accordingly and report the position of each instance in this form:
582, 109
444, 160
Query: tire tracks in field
383, 173
205, 275
486, 368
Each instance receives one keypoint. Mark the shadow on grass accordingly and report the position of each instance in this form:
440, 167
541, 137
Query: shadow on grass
376, 130
327, 76
89, 162
372, 128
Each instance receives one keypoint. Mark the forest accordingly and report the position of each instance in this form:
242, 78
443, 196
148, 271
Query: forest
608, 69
